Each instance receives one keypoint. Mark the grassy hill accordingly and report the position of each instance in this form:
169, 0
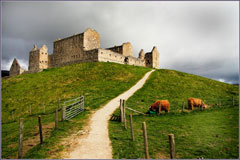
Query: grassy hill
212, 133
98, 82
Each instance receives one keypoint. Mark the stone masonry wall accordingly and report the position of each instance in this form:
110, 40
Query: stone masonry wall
34, 61
125, 49
105, 55
118, 49
152, 58
148, 59
136, 61
43, 57
15, 68
67, 50
91, 40
155, 57
89, 56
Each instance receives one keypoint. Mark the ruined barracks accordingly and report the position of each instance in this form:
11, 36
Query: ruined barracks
84, 47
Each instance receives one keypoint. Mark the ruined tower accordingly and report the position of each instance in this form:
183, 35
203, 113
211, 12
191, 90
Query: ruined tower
141, 54
155, 58
91, 39
152, 58
38, 59
16, 68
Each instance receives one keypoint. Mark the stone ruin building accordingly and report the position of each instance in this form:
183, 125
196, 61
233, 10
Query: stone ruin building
16, 69
84, 47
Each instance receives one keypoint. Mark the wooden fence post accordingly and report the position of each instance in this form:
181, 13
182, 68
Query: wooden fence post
30, 109
172, 146
20, 144
56, 119
121, 110
131, 126
145, 140
40, 129
232, 100
63, 113
120, 107
183, 106
124, 115
44, 109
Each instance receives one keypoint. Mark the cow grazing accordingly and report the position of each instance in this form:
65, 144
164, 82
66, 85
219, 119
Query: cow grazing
194, 102
164, 105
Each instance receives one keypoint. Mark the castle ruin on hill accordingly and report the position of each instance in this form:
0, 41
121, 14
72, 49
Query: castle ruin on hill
84, 47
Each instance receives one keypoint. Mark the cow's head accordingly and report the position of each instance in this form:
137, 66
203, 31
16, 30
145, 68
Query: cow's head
205, 106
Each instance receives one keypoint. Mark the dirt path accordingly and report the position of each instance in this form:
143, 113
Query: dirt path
96, 144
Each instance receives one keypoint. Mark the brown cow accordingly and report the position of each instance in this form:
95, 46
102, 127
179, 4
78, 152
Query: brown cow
164, 105
194, 102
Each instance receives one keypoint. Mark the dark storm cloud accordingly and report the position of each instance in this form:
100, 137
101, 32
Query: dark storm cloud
194, 37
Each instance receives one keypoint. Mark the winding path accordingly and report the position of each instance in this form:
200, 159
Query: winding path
96, 144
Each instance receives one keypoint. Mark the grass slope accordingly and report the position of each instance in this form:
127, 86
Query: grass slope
212, 133
98, 82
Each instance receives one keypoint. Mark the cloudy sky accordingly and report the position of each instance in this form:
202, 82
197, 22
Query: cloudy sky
195, 37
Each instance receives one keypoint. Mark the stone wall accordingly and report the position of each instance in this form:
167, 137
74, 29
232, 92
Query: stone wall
91, 40
125, 49
155, 57
105, 55
33, 61
43, 57
38, 59
67, 50
148, 59
141, 54
152, 58
74, 49
16, 68
136, 61
88, 56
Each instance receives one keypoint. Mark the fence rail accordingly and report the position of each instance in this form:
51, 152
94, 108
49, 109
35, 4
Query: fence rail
172, 150
74, 107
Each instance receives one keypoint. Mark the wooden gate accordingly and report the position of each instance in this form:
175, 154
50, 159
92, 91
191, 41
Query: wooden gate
73, 107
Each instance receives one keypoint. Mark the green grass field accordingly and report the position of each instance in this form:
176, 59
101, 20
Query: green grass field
98, 82
211, 134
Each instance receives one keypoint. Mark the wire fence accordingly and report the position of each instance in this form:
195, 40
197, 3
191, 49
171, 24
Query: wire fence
219, 103
28, 135
41, 109
213, 103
